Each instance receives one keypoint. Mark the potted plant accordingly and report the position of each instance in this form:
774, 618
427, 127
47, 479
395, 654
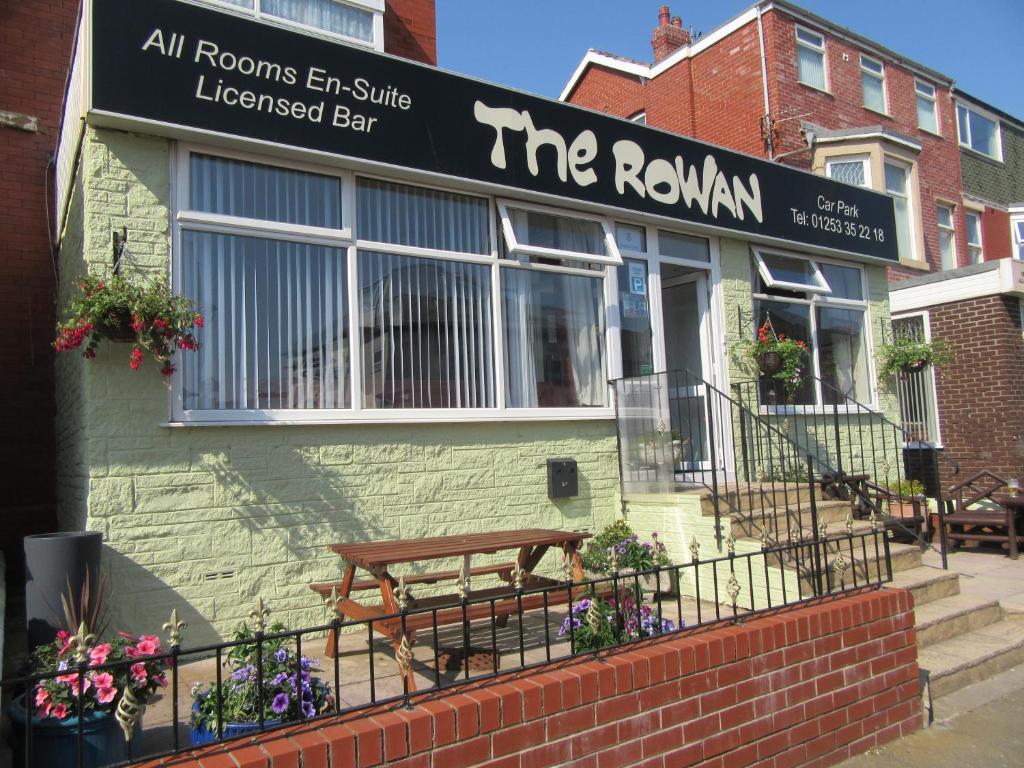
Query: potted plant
145, 313
594, 623
906, 497
630, 554
778, 357
108, 698
291, 690
907, 353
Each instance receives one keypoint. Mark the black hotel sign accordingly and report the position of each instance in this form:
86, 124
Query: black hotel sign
184, 65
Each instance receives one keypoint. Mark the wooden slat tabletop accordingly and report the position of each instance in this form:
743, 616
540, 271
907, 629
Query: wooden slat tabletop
377, 554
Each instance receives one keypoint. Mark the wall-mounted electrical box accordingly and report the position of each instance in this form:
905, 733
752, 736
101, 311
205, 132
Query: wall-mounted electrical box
563, 480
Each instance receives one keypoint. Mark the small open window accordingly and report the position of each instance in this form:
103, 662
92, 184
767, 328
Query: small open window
551, 233
790, 272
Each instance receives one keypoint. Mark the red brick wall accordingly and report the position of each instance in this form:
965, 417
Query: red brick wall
35, 50
410, 30
804, 687
606, 90
981, 393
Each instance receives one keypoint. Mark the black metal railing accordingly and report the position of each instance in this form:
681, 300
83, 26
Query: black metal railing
638, 607
871, 459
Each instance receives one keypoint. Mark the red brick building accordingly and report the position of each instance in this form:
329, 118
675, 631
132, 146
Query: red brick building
36, 40
779, 82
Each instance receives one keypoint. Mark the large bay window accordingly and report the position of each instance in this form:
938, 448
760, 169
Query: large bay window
822, 304
329, 296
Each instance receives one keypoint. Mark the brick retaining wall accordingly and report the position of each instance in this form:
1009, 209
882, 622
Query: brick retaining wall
805, 687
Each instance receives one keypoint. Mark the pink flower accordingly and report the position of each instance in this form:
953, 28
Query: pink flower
42, 696
63, 636
72, 681
139, 673
43, 710
98, 655
105, 690
60, 711
148, 645
161, 680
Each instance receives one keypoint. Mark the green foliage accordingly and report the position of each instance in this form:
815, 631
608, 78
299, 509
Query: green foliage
792, 352
148, 313
907, 351
290, 688
630, 552
907, 489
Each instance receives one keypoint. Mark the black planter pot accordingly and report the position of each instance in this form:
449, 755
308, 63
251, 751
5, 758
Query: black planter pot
52, 562
117, 325
769, 363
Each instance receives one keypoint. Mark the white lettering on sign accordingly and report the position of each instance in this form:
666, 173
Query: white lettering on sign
666, 181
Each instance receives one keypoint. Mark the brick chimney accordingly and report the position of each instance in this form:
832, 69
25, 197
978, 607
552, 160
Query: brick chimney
669, 35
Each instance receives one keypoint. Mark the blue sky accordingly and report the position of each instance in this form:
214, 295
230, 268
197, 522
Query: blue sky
535, 45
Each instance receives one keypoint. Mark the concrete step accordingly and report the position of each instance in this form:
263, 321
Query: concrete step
780, 519
859, 570
927, 584
953, 616
959, 661
759, 496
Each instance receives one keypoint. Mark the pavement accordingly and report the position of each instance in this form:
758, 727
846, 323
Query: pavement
986, 573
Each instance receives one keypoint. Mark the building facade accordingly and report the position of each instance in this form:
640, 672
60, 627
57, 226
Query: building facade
779, 82
416, 288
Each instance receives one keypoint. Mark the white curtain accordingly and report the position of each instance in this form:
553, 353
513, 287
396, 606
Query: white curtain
522, 342
329, 15
274, 336
585, 330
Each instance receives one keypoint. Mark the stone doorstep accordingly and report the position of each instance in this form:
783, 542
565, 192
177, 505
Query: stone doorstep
953, 616
927, 584
976, 655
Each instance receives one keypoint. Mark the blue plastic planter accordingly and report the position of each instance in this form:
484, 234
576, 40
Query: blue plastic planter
55, 742
200, 734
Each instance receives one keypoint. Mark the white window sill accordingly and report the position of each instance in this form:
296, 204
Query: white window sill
929, 131
975, 152
880, 112
815, 88
406, 417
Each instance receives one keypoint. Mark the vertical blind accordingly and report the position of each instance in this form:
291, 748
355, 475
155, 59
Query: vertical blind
252, 191
329, 15
275, 318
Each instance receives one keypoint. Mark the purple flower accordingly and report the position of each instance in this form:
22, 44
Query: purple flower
307, 709
279, 679
280, 703
241, 674
281, 656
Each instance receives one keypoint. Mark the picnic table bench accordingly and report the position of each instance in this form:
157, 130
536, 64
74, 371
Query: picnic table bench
496, 603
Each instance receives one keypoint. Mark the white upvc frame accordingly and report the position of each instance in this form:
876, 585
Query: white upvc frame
928, 92
1016, 236
515, 247
638, 117
950, 228
926, 324
817, 300
966, 141
864, 160
866, 69
373, 7
821, 285
908, 193
183, 219
819, 48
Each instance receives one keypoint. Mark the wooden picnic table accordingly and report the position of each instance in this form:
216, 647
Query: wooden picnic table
377, 558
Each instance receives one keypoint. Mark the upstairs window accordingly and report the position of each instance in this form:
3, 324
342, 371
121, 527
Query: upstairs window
947, 236
1018, 238
855, 171
897, 185
354, 20
978, 132
927, 117
872, 81
810, 58
975, 249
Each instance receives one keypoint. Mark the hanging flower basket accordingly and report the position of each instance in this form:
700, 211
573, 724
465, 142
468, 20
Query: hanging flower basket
769, 363
914, 367
117, 325
907, 354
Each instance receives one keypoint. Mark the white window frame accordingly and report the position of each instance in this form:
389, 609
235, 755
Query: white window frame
524, 249
926, 322
640, 118
183, 219
821, 285
819, 48
1016, 236
950, 228
928, 92
979, 246
877, 75
965, 141
908, 169
375, 7
816, 300
864, 160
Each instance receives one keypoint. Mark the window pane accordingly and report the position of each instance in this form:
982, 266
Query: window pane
962, 124
845, 282
842, 354
848, 172
631, 238
634, 307
926, 114
793, 321
328, 15
946, 249
944, 215
426, 331
874, 92
811, 67
404, 215
240, 3
235, 188
973, 229
562, 233
871, 65
554, 339
812, 38
983, 134
275, 333
896, 185
683, 246
789, 270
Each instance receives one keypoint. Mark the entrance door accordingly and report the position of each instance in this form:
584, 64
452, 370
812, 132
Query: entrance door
684, 304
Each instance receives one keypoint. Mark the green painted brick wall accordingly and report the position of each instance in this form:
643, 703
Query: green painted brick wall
207, 519
991, 180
